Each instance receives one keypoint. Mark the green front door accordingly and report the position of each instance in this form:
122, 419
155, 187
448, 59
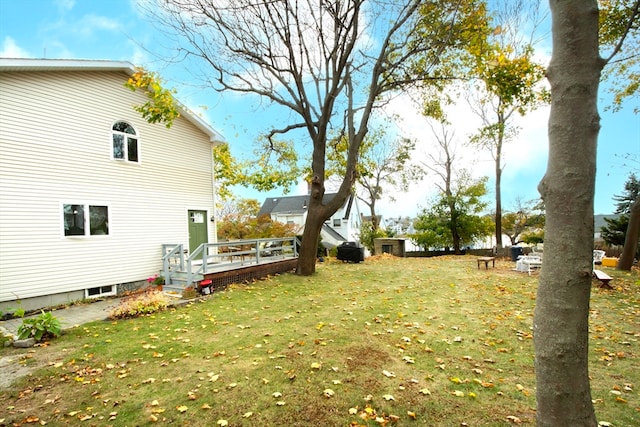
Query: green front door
197, 229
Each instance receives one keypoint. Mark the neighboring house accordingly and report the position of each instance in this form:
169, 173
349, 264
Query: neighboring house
343, 226
89, 191
400, 226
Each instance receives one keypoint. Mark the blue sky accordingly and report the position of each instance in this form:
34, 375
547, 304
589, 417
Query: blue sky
115, 30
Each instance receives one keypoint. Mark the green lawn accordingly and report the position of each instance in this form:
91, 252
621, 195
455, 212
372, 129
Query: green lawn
391, 341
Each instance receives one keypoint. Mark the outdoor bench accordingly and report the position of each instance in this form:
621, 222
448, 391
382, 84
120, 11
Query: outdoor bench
486, 260
603, 277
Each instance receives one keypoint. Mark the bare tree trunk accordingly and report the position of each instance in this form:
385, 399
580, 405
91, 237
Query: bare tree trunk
561, 335
631, 239
498, 202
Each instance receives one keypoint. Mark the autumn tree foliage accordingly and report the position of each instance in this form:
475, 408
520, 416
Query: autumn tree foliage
161, 106
525, 223
239, 227
385, 164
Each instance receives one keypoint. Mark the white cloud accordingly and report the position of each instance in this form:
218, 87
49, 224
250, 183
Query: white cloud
65, 5
11, 50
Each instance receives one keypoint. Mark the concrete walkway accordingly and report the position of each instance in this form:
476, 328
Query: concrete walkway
71, 316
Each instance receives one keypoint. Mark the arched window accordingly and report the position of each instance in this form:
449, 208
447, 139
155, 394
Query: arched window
125, 142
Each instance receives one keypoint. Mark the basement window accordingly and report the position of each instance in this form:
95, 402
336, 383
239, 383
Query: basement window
101, 291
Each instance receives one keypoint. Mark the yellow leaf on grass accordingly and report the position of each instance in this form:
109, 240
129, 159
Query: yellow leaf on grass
388, 397
458, 393
388, 374
353, 411
280, 403
205, 406
425, 391
182, 408
411, 414
316, 365
277, 394
247, 414
328, 392
223, 423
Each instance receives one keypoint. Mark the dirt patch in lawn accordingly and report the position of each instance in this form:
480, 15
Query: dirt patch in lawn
19, 363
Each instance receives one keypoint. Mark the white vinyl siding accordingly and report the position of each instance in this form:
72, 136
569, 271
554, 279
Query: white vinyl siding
41, 168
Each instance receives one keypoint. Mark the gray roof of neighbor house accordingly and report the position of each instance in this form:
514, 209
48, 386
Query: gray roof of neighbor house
295, 204
30, 64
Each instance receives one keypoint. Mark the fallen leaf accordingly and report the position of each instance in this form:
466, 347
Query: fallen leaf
388, 397
388, 374
182, 408
223, 423
514, 419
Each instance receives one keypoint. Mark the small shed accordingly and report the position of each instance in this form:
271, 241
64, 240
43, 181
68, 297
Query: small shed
394, 247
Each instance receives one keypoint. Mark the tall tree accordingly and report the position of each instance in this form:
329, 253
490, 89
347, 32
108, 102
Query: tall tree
567, 189
328, 64
507, 84
455, 217
455, 220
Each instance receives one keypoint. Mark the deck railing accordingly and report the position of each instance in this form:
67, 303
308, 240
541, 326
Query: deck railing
229, 254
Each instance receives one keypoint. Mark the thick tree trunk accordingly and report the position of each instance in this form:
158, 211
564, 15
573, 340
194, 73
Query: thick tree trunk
561, 335
317, 214
632, 238
310, 238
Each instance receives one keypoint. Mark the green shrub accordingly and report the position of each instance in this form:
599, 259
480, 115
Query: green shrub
44, 326
151, 301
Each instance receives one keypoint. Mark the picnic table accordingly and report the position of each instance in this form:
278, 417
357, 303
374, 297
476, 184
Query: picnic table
527, 263
486, 260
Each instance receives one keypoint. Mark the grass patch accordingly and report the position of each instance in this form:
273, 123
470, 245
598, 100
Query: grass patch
401, 341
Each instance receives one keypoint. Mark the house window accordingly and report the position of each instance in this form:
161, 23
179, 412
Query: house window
125, 142
85, 220
337, 222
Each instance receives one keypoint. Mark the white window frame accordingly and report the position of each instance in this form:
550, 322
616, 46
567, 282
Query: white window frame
103, 291
125, 135
86, 220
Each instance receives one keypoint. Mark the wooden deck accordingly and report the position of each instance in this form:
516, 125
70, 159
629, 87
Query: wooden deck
214, 266
226, 275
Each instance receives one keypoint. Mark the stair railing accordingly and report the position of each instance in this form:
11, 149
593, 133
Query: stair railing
172, 260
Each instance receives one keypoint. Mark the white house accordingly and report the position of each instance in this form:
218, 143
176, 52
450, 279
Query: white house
343, 226
89, 191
